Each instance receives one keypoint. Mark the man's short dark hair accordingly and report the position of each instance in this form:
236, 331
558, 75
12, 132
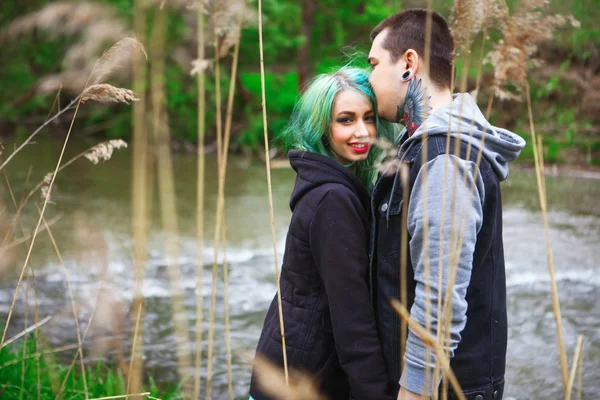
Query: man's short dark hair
407, 29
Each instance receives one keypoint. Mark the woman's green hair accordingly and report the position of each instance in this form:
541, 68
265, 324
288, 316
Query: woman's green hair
308, 129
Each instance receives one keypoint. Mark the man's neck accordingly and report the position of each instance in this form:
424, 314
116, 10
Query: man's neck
440, 99
422, 99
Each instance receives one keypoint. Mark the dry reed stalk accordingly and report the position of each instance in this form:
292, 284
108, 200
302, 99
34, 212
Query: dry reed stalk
541, 155
226, 306
200, 203
26, 331
478, 161
578, 354
554, 288
167, 190
443, 331
36, 314
580, 376
218, 116
101, 151
228, 120
488, 110
403, 258
40, 353
21, 393
269, 189
88, 325
104, 94
464, 33
461, 237
441, 251
431, 342
469, 18
123, 396
464, 212
36, 317
220, 218
74, 309
58, 114
38, 225
139, 200
45, 203
135, 376
426, 262
107, 64
219, 215
24, 239
55, 102
273, 382
436, 370
231, 95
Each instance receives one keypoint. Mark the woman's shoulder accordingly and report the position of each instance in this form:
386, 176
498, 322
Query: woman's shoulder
334, 199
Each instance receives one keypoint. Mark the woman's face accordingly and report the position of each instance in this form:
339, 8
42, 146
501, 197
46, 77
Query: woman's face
352, 129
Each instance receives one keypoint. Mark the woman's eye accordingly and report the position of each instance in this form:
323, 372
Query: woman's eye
343, 120
370, 118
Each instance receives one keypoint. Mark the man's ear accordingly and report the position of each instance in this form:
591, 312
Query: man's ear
411, 61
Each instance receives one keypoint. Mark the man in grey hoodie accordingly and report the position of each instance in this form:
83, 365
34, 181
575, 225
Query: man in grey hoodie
453, 162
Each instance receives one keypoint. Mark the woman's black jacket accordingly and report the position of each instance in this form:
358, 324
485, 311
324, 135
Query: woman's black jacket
328, 317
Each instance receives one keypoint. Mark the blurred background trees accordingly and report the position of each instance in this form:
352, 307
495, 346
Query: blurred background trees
41, 52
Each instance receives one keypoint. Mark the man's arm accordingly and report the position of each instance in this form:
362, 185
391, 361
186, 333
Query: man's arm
452, 178
404, 394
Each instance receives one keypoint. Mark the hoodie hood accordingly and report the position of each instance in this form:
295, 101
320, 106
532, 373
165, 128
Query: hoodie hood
314, 170
500, 146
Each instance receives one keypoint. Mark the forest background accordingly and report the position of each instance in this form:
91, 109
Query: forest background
302, 38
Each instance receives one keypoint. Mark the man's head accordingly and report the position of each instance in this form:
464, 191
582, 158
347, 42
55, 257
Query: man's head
398, 51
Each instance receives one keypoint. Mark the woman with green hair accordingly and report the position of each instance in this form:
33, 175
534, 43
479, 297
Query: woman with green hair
328, 319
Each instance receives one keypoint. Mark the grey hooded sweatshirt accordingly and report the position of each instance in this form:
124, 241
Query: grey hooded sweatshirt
450, 197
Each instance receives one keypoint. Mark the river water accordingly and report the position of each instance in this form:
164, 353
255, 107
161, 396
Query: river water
92, 214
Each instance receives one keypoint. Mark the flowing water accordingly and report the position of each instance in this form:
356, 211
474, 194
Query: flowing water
92, 227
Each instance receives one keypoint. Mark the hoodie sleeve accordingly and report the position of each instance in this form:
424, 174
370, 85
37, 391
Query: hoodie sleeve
459, 214
339, 243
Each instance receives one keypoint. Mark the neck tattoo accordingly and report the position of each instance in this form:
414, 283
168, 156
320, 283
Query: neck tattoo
416, 107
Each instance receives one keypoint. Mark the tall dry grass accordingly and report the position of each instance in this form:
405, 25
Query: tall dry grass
270, 191
103, 62
223, 35
139, 200
522, 31
200, 72
166, 188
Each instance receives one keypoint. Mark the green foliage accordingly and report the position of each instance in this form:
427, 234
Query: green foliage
19, 377
339, 36
281, 35
281, 91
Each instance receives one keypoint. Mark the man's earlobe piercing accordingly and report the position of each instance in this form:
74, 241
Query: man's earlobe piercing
405, 76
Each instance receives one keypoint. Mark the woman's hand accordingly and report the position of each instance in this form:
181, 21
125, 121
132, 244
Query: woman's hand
404, 394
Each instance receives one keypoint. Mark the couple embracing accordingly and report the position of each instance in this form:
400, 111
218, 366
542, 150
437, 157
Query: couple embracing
341, 265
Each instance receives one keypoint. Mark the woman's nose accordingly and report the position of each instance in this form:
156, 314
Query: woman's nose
361, 130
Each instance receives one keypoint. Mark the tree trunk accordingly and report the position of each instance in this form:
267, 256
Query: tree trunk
304, 60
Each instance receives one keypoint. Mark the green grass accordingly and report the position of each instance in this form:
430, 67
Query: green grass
19, 377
